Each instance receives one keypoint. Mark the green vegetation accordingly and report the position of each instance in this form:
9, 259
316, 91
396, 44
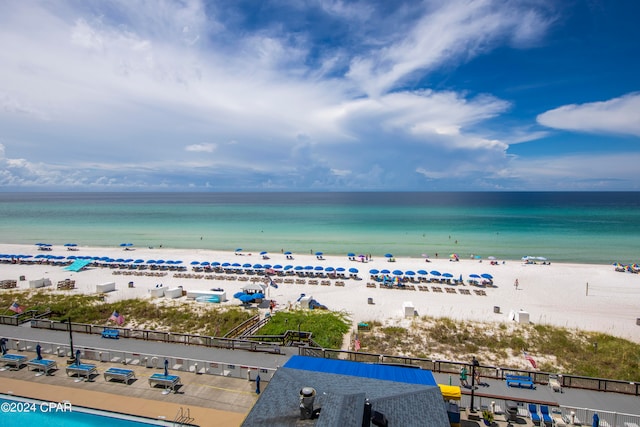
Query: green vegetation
555, 349
180, 318
327, 328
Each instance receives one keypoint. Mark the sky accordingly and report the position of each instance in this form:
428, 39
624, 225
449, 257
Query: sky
320, 95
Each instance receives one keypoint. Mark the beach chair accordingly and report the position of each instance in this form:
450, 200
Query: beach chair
85, 370
167, 381
14, 361
533, 414
546, 416
44, 365
119, 374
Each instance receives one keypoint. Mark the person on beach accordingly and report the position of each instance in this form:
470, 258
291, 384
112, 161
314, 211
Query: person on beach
516, 284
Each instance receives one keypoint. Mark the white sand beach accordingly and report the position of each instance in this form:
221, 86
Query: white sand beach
584, 296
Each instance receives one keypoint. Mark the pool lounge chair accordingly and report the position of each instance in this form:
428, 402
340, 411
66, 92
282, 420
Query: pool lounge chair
533, 414
82, 370
15, 361
168, 381
119, 374
546, 416
44, 365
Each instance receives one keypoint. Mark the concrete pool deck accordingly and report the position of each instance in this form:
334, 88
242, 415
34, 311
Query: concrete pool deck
206, 397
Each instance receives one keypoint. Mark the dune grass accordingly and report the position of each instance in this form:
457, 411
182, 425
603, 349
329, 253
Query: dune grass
555, 349
192, 318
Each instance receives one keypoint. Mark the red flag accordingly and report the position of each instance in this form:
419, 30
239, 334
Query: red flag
16, 308
530, 359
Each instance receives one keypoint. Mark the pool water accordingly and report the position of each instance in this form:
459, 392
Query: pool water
17, 411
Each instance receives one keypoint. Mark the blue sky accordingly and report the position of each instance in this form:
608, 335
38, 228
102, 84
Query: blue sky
319, 95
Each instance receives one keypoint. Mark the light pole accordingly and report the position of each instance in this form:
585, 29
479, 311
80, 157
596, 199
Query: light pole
474, 364
70, 338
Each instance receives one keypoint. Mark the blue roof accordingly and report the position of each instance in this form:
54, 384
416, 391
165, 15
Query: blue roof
364, 370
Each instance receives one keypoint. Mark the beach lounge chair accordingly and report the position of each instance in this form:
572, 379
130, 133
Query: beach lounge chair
533, 414
546, 416
82, 370
119, 374
44, 365
167, 381
15, 361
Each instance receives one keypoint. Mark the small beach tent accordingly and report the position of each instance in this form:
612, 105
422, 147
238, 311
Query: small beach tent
78, 265
252, 288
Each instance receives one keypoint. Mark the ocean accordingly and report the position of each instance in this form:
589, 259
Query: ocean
583, 227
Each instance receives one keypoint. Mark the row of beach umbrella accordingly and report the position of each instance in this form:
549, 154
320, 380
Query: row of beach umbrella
433, 273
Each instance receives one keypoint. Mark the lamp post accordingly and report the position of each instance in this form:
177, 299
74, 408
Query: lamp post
70, 337
474, 364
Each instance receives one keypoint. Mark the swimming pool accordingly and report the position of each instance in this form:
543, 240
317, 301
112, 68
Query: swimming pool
29, 412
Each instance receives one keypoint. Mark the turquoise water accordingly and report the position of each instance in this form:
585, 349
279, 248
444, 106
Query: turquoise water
572, 227
28, 412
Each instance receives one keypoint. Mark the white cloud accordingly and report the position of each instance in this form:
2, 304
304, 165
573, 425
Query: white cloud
615, 116
449, 32
201, 148
129, 91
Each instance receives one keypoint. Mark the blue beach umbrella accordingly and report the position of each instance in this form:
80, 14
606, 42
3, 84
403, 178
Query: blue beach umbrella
474, 276
246, 298
247, 265
258, 295
318, 268
308, 267
288, 267
257, 266
239, 250
319, 253
340, 269
215, 264
388, 255
329, 269
353, 270
236, 264
298, 268
435, 273
397, 272
486, 276
126, 244
409, 273
447, 275
238, 294
423, 272
385, 271
287, 253
195, 262
266, 266
373, 271
263, 253
226, 264
351, 254
204, 263
277, 267
70, 245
